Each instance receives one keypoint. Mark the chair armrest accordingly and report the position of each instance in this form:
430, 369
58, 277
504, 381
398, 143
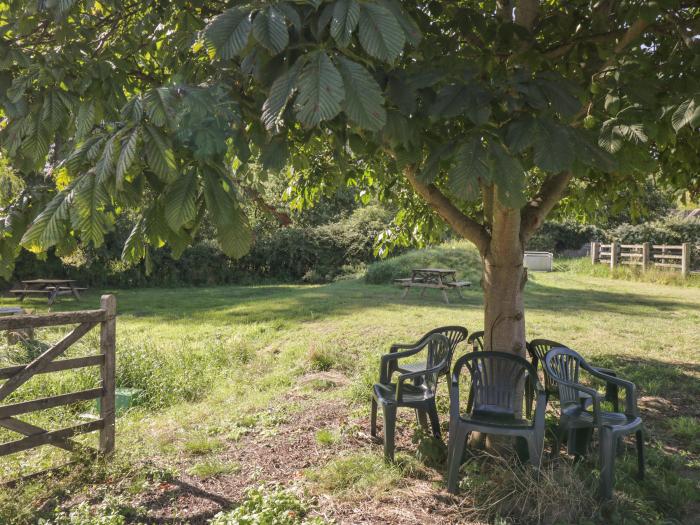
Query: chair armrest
630, 389
385, 367
596, 397
401, 346
605, 371
412, 375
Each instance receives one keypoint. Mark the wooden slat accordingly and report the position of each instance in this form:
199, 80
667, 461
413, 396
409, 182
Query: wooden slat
638, 246
665, 256
27, 429
48, 437
56, 366
668, 265
630, 255
632, 263
41, 362
667, 247
49, 402
60, 318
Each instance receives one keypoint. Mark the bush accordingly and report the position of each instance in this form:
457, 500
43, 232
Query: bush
278, 507
460, 256
559, 236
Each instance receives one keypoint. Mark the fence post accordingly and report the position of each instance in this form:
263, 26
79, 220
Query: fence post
613, 255
595, 252
107, 371
646, 256
685, 261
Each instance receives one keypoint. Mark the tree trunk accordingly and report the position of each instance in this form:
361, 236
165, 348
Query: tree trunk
503, 280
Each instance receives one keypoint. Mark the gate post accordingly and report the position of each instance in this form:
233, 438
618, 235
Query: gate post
595, 252
107, 371
646, 256
685, 261
613, 254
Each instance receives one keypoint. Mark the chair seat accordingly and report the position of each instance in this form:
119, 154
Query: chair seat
580, 418
495, 418
409, 368
386, 394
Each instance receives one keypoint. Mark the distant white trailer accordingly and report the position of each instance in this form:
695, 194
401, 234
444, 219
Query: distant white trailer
539, 261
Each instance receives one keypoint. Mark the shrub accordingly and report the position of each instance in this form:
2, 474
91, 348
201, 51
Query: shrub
568, 235
460, 256
278, 507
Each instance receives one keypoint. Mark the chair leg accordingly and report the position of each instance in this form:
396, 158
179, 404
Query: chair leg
373, 419
434, 420
422, 419
458, 442
529, 397
640, 454
535, 445
558, 440
607, 463
389, 428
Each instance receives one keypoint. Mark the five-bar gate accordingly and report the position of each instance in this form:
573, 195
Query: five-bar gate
16, 376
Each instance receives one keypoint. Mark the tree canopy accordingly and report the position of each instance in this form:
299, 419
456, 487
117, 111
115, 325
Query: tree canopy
170, 108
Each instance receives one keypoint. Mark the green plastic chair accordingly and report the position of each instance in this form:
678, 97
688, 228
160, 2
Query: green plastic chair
412, 389
564, 366
495, 379
454, 334
476, 340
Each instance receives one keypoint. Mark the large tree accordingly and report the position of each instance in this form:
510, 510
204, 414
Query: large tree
486, 113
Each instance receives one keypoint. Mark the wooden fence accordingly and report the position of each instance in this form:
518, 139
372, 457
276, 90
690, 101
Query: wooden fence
646, 255
16, 376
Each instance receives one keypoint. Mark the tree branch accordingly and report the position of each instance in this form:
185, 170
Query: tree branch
535, 211
526, 13
463, 225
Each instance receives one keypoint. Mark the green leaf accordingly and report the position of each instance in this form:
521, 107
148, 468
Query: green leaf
470, 165
364, 103
159, 153
232, 230
553, 149
159, 103
270, 29
88, 215
133, 110
346, 15
180, 201
274, 155
229, 32
409, 26
688, 112
85, 119
36, 144
590, 154
105, 166
54, 112
431, 167
320, 90
135, 246
380, 33
521, 134
127, 155
457, 99
609, 139
50, 225
281, 92
509, 177
557, 91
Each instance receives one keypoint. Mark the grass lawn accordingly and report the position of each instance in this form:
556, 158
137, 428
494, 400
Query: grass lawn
244, 386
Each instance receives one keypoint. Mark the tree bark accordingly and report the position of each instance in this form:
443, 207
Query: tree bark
503, 280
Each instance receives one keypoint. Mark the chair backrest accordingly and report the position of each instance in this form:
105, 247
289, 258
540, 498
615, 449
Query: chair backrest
439, 356
538, 348
497, 381
564, 364
476, 339
454, 336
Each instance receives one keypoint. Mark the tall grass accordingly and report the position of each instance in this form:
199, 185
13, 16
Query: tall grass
457, 255
583, 266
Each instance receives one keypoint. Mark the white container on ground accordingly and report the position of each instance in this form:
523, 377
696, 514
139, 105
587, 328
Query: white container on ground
539, 261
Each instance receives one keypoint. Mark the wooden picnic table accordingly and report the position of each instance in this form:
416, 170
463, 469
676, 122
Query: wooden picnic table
51, 288
442, 279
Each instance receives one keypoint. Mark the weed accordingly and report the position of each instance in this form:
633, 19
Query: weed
358, 474
213, 467
202, 445
261, 506
326, 437
686, 428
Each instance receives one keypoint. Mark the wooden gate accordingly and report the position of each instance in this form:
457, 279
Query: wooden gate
16, 376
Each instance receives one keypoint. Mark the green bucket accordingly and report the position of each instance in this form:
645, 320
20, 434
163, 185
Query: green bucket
124, 399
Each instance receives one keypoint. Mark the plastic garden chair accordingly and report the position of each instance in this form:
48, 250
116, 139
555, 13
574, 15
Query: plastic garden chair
476, 339
564, 365
498, 384
538, 348
412, 389
454, 335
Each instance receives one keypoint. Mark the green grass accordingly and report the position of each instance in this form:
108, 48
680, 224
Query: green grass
213, 467
583, 266
221, 363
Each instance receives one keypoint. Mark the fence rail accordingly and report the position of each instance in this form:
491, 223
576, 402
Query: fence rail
16, 376
646, 255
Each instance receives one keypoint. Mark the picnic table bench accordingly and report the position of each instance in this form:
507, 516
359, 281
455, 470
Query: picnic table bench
437, 278
50, 288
